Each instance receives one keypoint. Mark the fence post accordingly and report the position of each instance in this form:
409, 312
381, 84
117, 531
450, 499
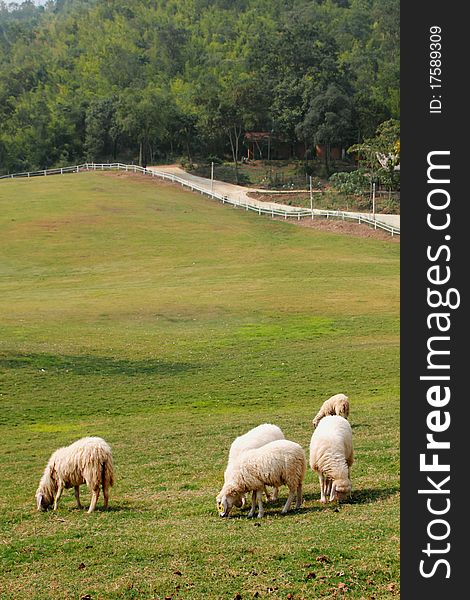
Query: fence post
45, 172
61, 171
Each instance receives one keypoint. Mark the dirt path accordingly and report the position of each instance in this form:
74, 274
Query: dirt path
241, 193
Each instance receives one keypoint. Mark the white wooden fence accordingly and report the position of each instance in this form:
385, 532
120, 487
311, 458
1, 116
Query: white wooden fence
289, 212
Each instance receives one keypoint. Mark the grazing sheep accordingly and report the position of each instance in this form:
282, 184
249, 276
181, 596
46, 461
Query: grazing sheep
277, 463
255, 438
331, 455
88, 460
336, 405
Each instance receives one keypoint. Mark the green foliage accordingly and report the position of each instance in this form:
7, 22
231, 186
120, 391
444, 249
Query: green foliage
354, 182
380, 155
328, 120
101, 129
82, 78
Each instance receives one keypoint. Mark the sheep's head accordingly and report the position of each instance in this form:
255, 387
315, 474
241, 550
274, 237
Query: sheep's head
342, 409
341, 490
226, 500
43, 499
46, 490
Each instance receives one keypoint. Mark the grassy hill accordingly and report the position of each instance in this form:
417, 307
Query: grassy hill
169, 324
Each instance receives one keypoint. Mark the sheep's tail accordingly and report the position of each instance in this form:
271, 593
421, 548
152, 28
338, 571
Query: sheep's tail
107, 473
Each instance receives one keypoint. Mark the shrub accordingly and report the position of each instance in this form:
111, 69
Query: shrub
214, 159
354, 182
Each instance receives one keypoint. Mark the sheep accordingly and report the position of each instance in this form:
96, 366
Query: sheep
277, 463
336, 405
256, 437
88, 460
331, 456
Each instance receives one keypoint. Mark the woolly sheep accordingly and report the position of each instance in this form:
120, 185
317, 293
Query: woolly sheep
277, 463
331, 456
255, 438
336, 405
88, 460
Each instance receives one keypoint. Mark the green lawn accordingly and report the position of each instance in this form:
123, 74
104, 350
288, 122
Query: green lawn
169, 324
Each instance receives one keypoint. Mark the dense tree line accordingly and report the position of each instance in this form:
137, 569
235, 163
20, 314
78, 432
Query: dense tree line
143, 80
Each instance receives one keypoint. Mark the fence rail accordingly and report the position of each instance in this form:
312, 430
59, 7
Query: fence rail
289, 212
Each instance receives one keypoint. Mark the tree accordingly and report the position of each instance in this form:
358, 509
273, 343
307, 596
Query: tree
142, 115
328, 120
101, 129
380, 155
190, 76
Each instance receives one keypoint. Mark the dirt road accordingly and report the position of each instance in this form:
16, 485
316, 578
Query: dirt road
240, 193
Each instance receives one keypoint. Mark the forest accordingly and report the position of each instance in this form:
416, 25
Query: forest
153, 80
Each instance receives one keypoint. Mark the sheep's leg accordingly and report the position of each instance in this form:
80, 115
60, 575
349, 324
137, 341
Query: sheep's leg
299, 496
259, 497
58, 494
333, 493
267, 494
271, 497
328, 487
106, 495
77, 496
94, 499
322, 488
253, 505
289, 501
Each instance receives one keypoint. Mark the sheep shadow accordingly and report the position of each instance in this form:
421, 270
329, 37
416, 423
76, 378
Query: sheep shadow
274, 508
360, 496
311, 501
369, 495
117, 508
89, 365
114, 508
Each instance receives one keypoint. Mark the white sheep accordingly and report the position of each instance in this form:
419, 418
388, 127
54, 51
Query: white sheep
336, 405
331, 456
255, 438
88, 460
277, 463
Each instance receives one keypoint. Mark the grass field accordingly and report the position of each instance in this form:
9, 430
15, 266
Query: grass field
169, 324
